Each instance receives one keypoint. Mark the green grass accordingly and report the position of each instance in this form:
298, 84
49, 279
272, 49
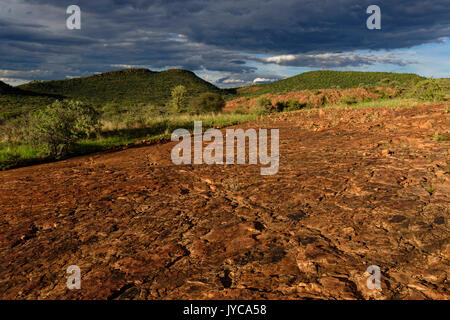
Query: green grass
393, 103
17, 155
159, 128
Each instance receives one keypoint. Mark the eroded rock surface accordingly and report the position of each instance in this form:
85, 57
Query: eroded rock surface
355, 188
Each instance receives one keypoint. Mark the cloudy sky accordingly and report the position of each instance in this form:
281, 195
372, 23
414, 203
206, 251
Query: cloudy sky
227, 42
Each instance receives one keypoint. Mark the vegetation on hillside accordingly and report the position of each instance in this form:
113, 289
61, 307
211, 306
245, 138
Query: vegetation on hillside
15, 102
130, 87
428, 90
118, 93
329, 80
207, 102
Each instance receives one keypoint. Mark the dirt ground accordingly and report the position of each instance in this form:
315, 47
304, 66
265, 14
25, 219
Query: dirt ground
355, 188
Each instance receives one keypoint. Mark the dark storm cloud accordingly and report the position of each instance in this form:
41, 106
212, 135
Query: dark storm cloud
283, 26
216, 35
101, 44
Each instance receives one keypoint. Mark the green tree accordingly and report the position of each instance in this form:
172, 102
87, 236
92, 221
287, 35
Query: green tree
179, 97
264, 106
59, 126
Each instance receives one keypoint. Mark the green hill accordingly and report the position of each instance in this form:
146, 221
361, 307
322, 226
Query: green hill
125, 87
15, 101
5, 88
327, 80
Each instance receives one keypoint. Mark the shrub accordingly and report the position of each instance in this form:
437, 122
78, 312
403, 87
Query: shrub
291, 105
265, 102
427, 90
323, 100
57, 127
178, 101
280, 106
349, 100
264, 106
384, 93
208, 102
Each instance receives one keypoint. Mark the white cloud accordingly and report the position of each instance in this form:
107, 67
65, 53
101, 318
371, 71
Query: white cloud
179, 38
125, 66
229, 81
263, 80
14, 82
280, 59
24, 73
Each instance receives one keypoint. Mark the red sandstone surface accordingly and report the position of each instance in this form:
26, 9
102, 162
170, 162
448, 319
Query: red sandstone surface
355, 188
